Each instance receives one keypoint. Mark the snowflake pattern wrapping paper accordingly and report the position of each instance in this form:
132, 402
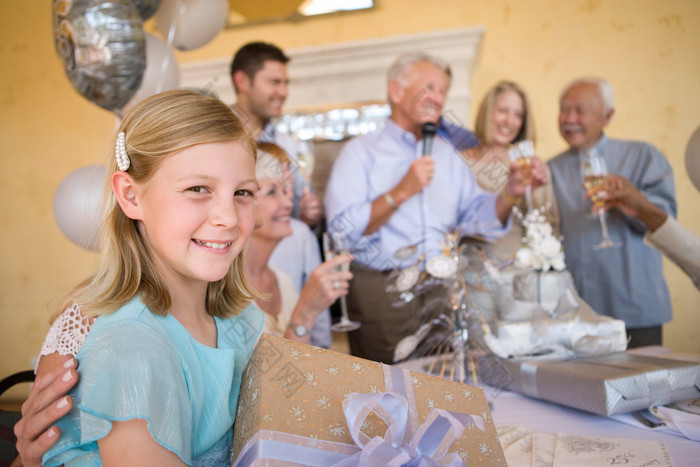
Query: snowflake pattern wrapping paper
295, 389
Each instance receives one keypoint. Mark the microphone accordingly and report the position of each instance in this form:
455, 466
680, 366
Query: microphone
429, 130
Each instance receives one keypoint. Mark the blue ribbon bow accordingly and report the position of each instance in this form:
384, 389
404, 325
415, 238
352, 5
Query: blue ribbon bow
427, 447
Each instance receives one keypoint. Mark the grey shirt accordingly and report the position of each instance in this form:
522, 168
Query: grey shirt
626, 282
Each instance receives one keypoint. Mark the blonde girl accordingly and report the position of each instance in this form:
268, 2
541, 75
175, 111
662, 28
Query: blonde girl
160, 371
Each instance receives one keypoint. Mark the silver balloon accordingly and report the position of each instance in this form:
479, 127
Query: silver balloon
103, 48
146, 8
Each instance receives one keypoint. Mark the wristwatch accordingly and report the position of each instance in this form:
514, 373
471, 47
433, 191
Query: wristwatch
299, 330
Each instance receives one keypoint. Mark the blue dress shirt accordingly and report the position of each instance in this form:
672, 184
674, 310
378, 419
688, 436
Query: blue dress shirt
368, 166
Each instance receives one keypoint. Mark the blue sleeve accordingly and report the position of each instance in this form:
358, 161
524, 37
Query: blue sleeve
478, 214
655, 181
452, 130
127, 371
321, 331
312, 252
348, 208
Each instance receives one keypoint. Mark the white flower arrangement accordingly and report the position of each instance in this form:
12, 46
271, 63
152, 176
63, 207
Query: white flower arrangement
541, 250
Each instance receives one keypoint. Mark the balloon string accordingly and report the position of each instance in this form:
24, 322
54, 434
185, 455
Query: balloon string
182, 7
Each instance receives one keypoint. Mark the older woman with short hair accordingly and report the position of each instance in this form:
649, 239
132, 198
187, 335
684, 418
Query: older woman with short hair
288, 312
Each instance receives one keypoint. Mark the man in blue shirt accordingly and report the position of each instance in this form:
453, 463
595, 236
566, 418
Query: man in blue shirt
384, 193
625, 282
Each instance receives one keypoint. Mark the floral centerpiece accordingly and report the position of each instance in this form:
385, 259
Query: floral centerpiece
541, 250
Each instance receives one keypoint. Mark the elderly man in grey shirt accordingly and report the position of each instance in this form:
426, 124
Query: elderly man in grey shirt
625, 282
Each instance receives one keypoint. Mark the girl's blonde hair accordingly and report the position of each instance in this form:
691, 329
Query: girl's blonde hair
157, 128
482, 127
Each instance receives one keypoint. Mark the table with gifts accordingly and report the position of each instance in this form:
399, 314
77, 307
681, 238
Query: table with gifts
535, 431
540, 421
305, 406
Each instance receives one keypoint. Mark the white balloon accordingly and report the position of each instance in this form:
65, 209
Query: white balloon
189, 24
77, 205
162, 72
692, 158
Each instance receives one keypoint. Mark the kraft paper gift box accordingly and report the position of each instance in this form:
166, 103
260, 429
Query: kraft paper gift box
607, 385
291, 412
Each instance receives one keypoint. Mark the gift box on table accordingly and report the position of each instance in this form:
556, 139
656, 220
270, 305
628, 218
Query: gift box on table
303, 405
607, 385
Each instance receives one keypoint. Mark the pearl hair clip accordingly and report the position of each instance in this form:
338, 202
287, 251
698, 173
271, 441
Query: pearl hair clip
123, 161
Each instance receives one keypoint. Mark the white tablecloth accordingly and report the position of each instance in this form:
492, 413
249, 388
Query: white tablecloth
512, 408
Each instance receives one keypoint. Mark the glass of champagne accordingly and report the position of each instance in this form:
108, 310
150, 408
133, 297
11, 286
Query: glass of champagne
596, 184
333, 245
305, 159
523, 154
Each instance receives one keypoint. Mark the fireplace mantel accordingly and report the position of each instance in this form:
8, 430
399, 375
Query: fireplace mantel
347, 72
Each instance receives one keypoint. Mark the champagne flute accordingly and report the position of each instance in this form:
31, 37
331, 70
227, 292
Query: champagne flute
523, 154
333, 245
305, 159
596, 184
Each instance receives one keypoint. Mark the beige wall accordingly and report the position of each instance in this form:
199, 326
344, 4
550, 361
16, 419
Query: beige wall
647, 48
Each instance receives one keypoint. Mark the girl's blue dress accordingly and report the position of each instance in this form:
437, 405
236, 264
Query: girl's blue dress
136, 364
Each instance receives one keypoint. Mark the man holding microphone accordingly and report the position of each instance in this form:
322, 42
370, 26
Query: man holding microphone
403, 186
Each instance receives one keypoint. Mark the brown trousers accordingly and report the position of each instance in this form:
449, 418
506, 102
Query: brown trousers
641, 337
383, 325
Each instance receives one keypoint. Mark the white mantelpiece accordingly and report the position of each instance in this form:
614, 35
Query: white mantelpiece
347, 72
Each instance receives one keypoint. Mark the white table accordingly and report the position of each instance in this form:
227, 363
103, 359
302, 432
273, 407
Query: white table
512, 408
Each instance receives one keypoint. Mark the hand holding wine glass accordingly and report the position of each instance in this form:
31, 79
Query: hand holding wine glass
333, 245
595, 182
523, 155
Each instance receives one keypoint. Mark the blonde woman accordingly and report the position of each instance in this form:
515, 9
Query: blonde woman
504, 118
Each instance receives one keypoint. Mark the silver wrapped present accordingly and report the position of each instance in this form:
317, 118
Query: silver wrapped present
607, 385
543, 288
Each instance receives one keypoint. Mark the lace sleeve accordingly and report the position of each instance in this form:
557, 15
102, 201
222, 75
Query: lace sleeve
67, 333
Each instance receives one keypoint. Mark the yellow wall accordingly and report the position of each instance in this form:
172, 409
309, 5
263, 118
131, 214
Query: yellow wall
647, 48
